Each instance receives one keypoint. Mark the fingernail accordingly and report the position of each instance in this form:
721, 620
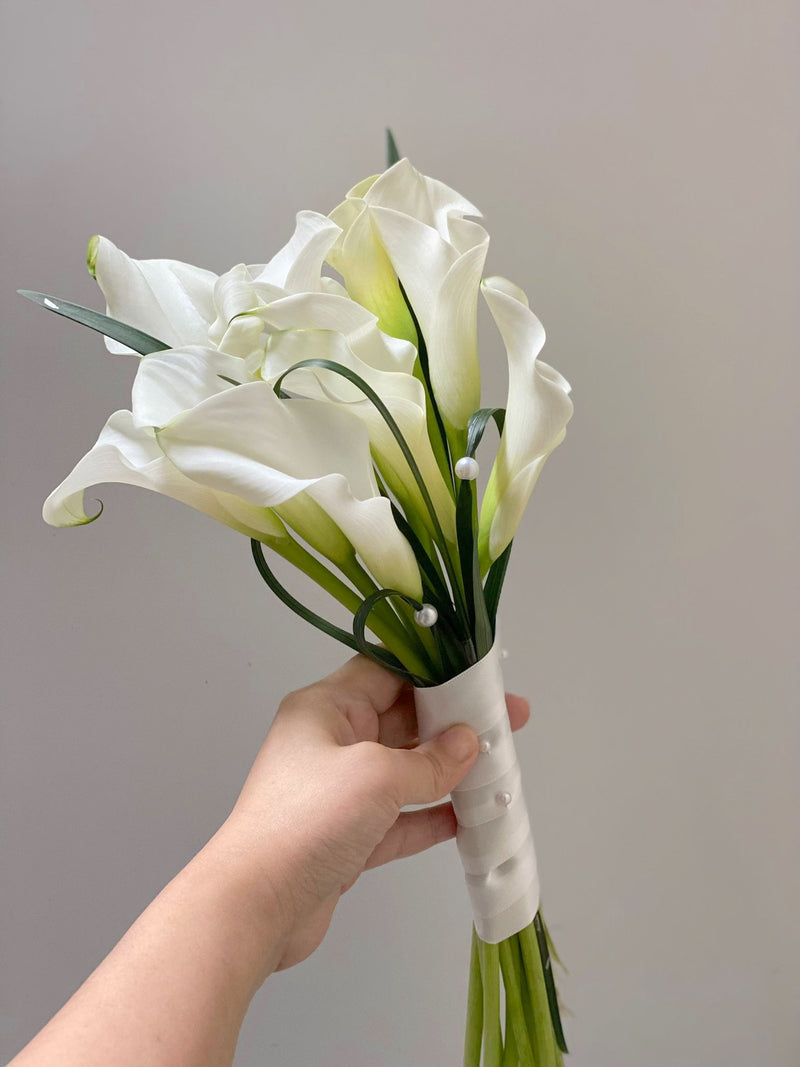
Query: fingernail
460, 742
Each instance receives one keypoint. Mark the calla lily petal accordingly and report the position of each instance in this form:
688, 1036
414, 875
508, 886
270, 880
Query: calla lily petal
403, 395
170, 300
328, 311
537, 413
403, 229
180, 379
248, 442
129, 454
403, 188
297, 267
368, 272
442, 283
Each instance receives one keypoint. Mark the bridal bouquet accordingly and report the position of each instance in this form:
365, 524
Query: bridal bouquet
336, 421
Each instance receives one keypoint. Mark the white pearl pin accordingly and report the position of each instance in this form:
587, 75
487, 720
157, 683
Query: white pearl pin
426, 616
467, 469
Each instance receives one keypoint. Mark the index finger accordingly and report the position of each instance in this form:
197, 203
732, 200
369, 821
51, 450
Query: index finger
364, 680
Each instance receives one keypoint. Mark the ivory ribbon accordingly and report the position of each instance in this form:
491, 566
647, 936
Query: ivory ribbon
494, 833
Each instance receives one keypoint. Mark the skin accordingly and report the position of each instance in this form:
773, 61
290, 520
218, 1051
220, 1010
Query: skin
322, 804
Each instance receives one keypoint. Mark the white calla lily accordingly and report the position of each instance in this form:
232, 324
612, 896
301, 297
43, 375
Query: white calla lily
165, 298
181, 304
407, 227
219, 327
247, 442
127, 453
537, 413
297, 267
173, 382
340, 314
401, 393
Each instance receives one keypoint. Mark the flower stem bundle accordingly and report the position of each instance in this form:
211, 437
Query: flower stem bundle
336, 423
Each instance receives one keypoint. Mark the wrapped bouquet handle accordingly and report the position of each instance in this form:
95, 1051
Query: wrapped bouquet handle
494, 836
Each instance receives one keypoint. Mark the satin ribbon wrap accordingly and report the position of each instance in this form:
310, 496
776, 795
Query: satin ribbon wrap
494, 832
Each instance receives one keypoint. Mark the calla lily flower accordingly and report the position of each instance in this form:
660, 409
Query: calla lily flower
247, 442
404, 228
185, 305
127, 453
165, 298
237, 452
404, 397
537, 413
328, 494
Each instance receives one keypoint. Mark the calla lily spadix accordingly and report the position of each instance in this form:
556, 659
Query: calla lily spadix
337, 422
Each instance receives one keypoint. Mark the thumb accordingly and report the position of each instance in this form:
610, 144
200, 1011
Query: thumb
430, 771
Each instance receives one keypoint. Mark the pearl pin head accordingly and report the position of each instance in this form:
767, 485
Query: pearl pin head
467, 469
426, 616
503, 798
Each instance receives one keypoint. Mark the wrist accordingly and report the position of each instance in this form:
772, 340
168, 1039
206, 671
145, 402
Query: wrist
250, 912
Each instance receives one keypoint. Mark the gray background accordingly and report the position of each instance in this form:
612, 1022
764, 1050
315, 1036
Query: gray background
637, 168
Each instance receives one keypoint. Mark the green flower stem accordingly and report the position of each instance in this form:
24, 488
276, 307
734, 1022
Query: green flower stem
529, 1038
301, 558
510, 1057
474, 1031
492, 1036
457, 442
525, 990
515, 1012
545, 1049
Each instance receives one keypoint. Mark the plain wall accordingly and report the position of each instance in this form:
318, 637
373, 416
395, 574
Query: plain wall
637, 167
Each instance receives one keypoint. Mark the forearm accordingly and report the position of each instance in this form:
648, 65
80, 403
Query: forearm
175, 990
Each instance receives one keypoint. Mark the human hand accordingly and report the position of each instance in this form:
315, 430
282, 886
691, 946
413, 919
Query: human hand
323, 802
324, 799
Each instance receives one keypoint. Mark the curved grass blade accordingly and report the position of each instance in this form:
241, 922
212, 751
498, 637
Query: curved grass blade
452, 645
477, 424
493, 585
408, 455
392, 151
432, 581
374, 652
466, 514
440, 444
360, 622
140, 342
549, 982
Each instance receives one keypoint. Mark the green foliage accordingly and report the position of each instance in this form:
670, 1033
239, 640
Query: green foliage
140, 342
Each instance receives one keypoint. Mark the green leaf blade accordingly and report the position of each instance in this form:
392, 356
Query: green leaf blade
126, 335
392, 151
